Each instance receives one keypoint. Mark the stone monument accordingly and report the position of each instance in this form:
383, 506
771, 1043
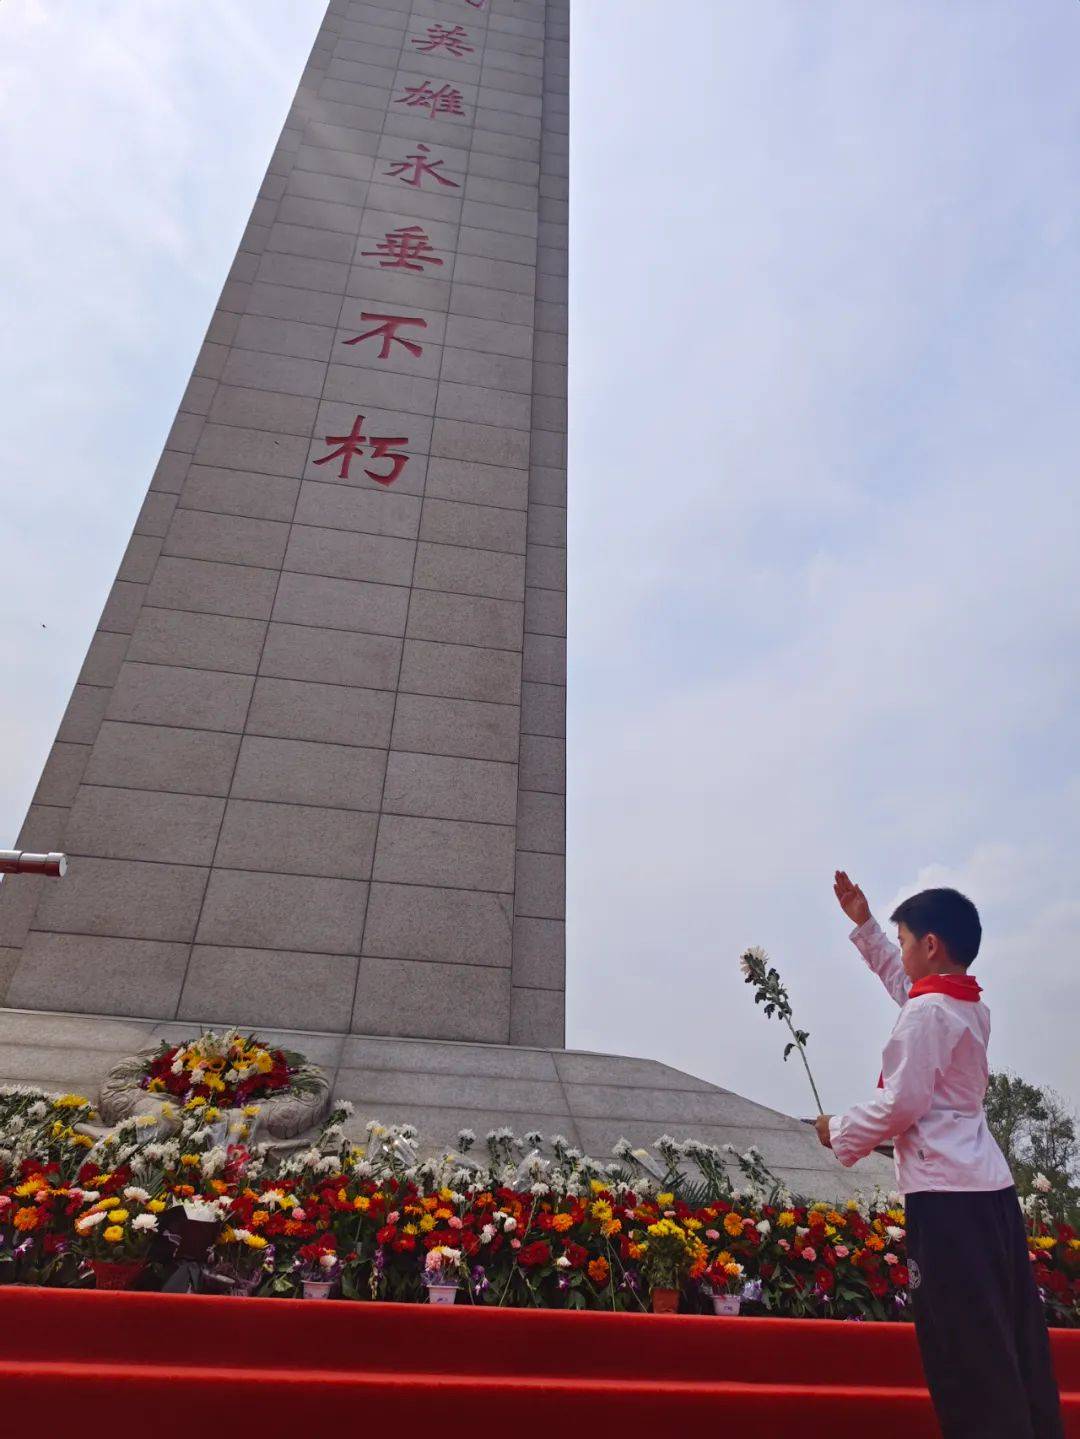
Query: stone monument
311, 779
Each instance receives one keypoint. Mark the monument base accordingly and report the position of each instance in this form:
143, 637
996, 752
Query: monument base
442, 1087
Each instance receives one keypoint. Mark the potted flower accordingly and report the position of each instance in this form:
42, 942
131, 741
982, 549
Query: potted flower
319, 1267
442, 1270
668, 1254
241, 1262
113, 1235
724, 1283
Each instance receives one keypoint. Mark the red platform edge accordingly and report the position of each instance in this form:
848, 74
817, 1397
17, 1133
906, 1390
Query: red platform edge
283, 1362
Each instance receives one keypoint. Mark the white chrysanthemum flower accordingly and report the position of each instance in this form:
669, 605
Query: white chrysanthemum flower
144, 1221
487, 1234
562, 1262
38, 1110
894, 1232
763, 1227
90, 1221
1041, 1183
134, 1192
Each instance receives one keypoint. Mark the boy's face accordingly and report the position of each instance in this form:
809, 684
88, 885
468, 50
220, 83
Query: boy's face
921, 956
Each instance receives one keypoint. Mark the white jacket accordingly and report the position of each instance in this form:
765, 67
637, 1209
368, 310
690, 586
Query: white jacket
935, 1072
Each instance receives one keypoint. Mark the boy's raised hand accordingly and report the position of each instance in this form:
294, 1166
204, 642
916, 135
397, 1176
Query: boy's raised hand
851, 898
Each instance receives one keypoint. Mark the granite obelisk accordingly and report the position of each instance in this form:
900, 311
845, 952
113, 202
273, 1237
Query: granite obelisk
312, 773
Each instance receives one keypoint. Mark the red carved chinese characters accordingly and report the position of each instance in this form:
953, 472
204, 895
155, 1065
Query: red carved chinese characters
352, 444
476, 4
420, 167
406, 249
440, 38
444, 101
388, 331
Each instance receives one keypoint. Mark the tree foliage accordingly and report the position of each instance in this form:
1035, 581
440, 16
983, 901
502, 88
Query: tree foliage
1036, 1130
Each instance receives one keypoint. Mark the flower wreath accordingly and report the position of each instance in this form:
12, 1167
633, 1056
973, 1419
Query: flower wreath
227, 1070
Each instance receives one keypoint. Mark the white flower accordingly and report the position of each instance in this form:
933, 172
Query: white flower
562, 1262
144, 1221
764, 1227
134, 1192
509, 1224
38, 1110
894, 1232
1041, 1183
90, 1221
241, 1234
328, 1260
487, 1234
177, 1066
800, 1230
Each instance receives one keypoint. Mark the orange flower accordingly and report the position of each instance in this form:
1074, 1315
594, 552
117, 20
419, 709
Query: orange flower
598, 1271
260, 1216
562, 1222
733, 1224
27, 1217
874, 1242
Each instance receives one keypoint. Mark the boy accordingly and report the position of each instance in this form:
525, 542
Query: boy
980, 1322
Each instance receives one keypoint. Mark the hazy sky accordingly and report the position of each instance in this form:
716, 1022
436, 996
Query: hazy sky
824, 435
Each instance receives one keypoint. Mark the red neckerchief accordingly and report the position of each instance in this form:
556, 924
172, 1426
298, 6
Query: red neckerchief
956, 986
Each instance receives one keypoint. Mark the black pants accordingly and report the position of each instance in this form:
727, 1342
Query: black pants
979, 1319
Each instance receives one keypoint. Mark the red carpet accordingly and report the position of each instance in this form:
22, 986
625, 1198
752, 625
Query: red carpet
279, 1367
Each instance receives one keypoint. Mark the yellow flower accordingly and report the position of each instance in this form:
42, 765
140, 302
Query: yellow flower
215, 1083
117, 1216
362, 1203
212, 1114
408, 1228
596, 1186
57, 1129
665, 1201
1044, 1242
113, 1234
446, 1195
693, 1224
896, 1215
830, 1230
70, 1101
263, 1063
733, 1224
251, 1110
427, 1224
785, 1219
444, 1213
145, 1120
197, 1103
31, 1186
156, 1206
82, 1141
192, 1159
228, 1235
156, 1086
256, 1241
601, 1209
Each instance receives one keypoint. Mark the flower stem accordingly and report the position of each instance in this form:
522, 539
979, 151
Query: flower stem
802, 1056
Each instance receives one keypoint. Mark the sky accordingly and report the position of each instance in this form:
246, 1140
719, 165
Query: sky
824, 603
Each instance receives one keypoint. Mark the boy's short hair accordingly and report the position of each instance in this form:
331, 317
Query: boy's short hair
948, 914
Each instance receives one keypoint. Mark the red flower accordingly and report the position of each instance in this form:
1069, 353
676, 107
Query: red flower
404, 1244
533, 1255
899, 1275
385, 1234
577, 1255
825, 1280
879, 1285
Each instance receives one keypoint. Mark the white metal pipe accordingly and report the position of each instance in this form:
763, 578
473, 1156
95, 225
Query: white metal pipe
21, 861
